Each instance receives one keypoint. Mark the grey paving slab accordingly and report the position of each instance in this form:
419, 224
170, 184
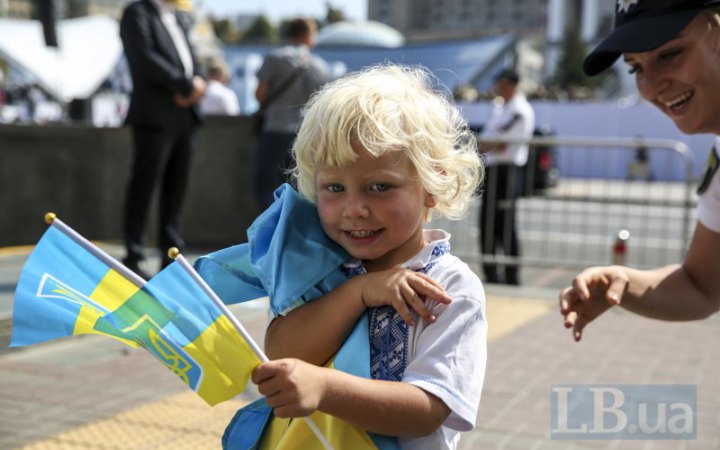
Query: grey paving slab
618, 349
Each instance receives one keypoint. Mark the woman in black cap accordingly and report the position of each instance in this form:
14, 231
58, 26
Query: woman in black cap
673, 49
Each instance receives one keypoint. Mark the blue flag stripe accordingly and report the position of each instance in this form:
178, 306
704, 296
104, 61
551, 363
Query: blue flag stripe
39, 314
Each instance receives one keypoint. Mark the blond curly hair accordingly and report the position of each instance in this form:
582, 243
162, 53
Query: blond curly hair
390, 108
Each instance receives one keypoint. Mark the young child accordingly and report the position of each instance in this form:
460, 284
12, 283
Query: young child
379, 152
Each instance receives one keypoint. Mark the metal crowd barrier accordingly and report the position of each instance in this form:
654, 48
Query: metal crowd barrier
602, 190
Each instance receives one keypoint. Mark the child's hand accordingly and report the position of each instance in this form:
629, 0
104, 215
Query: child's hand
293, 388
402, 289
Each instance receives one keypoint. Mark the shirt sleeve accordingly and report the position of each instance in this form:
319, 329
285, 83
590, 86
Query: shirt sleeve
268, 69
450, 356
708, 212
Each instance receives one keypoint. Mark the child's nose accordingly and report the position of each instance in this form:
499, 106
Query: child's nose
355, 206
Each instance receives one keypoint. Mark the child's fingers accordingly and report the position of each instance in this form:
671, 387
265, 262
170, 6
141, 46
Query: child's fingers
401, 306
262, 373
283, 412
271, 391
414, 300
429, 288
273, 381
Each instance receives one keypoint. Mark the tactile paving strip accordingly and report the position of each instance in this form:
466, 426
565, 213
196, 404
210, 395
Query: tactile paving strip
179, 422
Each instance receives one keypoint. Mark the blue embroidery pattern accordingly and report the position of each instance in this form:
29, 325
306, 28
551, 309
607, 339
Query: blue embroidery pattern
388, 332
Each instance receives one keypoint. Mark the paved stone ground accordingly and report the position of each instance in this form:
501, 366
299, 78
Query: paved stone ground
621, 349
92, 393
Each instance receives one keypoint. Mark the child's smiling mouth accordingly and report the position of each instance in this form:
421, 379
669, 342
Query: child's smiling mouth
361, 234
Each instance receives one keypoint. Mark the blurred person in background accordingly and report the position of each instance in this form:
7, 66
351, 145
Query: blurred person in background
287, 78
163, 114
640, 168
35, 97
673, 49
219, 99
512, 117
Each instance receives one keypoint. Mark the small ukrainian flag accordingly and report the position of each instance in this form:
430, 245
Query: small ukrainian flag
64, 288
68, 286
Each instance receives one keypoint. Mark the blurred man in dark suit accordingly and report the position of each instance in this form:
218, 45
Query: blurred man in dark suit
163, 114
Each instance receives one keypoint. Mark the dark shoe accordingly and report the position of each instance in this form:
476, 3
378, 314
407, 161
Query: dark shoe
134, 266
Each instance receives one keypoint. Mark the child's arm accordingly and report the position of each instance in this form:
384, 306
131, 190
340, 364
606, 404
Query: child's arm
316, 330
295, 389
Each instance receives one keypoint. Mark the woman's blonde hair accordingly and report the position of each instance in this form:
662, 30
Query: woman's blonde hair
390, 108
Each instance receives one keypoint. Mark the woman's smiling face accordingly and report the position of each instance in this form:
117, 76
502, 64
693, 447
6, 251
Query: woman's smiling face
682, 77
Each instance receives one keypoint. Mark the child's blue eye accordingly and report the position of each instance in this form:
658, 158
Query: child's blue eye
335, 188
379, 187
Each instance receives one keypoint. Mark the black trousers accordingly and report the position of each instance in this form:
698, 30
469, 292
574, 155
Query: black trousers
502, 187
161, 161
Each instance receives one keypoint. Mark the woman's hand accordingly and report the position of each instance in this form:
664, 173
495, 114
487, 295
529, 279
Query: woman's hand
593, 292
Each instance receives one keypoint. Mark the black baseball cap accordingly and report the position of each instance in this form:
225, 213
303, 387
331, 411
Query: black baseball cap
509, 75
641, 26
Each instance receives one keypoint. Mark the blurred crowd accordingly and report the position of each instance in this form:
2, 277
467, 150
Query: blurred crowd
27, 103
467, 93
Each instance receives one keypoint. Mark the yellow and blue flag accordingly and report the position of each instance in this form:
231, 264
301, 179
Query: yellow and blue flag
175, 320
64, 289
68, 287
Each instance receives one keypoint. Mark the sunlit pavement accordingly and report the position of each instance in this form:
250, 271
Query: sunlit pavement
90, 392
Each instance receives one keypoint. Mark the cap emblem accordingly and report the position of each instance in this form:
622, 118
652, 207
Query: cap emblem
624, 5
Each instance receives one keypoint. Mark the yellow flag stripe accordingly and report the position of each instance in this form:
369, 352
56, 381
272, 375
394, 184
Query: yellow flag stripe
288, 434
113, 290
226, 359
110, 293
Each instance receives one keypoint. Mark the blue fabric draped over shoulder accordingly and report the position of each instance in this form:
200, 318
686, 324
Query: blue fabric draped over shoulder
288, 257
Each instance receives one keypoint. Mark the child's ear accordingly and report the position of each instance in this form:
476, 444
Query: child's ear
430, 201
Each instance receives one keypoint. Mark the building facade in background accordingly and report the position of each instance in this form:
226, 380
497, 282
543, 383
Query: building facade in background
542, 23
447, 19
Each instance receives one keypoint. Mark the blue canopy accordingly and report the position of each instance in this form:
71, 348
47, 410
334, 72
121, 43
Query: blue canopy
455, 63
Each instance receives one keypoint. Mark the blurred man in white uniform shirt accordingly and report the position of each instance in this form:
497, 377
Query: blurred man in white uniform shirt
512, 117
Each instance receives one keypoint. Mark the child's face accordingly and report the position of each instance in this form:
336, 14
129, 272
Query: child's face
374, 208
